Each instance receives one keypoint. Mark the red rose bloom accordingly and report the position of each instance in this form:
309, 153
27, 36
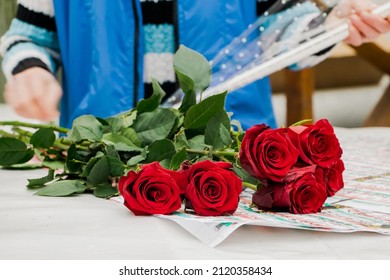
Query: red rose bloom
213, 189
317, 143
301, 193
332, 177
152, 190
267, 153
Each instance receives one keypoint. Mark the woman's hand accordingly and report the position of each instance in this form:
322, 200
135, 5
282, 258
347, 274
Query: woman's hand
34, 93
364, 26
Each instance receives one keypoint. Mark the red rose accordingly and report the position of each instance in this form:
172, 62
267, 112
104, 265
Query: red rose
301, 193
267, 153
213, 189
332, 177
152, 190
317, 143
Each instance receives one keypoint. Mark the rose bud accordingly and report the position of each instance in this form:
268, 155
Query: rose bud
152, 190
317, 143
213, 189
267, 153
301, 193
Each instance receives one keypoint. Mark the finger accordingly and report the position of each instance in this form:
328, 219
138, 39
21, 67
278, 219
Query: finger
378, 23
15, 93
41, 92
49, 99
7, 92
54, 98
366, 30
23, 104
355, 38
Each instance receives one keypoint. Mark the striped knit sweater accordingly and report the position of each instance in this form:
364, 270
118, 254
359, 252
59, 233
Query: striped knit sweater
31, 40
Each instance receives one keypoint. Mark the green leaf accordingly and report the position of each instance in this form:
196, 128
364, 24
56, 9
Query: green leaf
199, 115
29, 155
86, 127
130, 134
152, 103
217, 136
165, 163
91, 163
137, 159
193, 65
115, 124
43, 138
223, 118
217, 133
178, 124
105, 191
111, 151
100, 172
62, 188
197, 143
178, 159
186, 85
154, 125
105, 168
181, 141
129, 118
73, 159
117, 167
23, 166
240, 172
188, 88
188, 101
161, 150
120, 142
53, 164
40, 182
13, 151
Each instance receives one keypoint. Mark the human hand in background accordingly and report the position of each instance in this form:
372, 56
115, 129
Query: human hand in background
364, 26
34, 93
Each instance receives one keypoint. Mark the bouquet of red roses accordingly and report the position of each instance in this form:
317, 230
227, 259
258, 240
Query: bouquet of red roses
159, 158
298, 166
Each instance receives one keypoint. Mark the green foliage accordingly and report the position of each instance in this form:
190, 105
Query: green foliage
13, 151
43, 138
105, 191
194, 66
194, 74
163, 149
121, 142
40, 182
178, 159
152, 103
62, 188
199, 115
217, 133
156, 125
96, 152
86, 128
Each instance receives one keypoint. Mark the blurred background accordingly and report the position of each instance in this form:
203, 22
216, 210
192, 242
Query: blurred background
347, 86
350, 89
7, 12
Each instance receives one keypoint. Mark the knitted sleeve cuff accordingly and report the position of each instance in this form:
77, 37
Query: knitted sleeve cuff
29, 63
25, 55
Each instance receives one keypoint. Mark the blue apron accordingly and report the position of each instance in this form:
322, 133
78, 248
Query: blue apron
101, 44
